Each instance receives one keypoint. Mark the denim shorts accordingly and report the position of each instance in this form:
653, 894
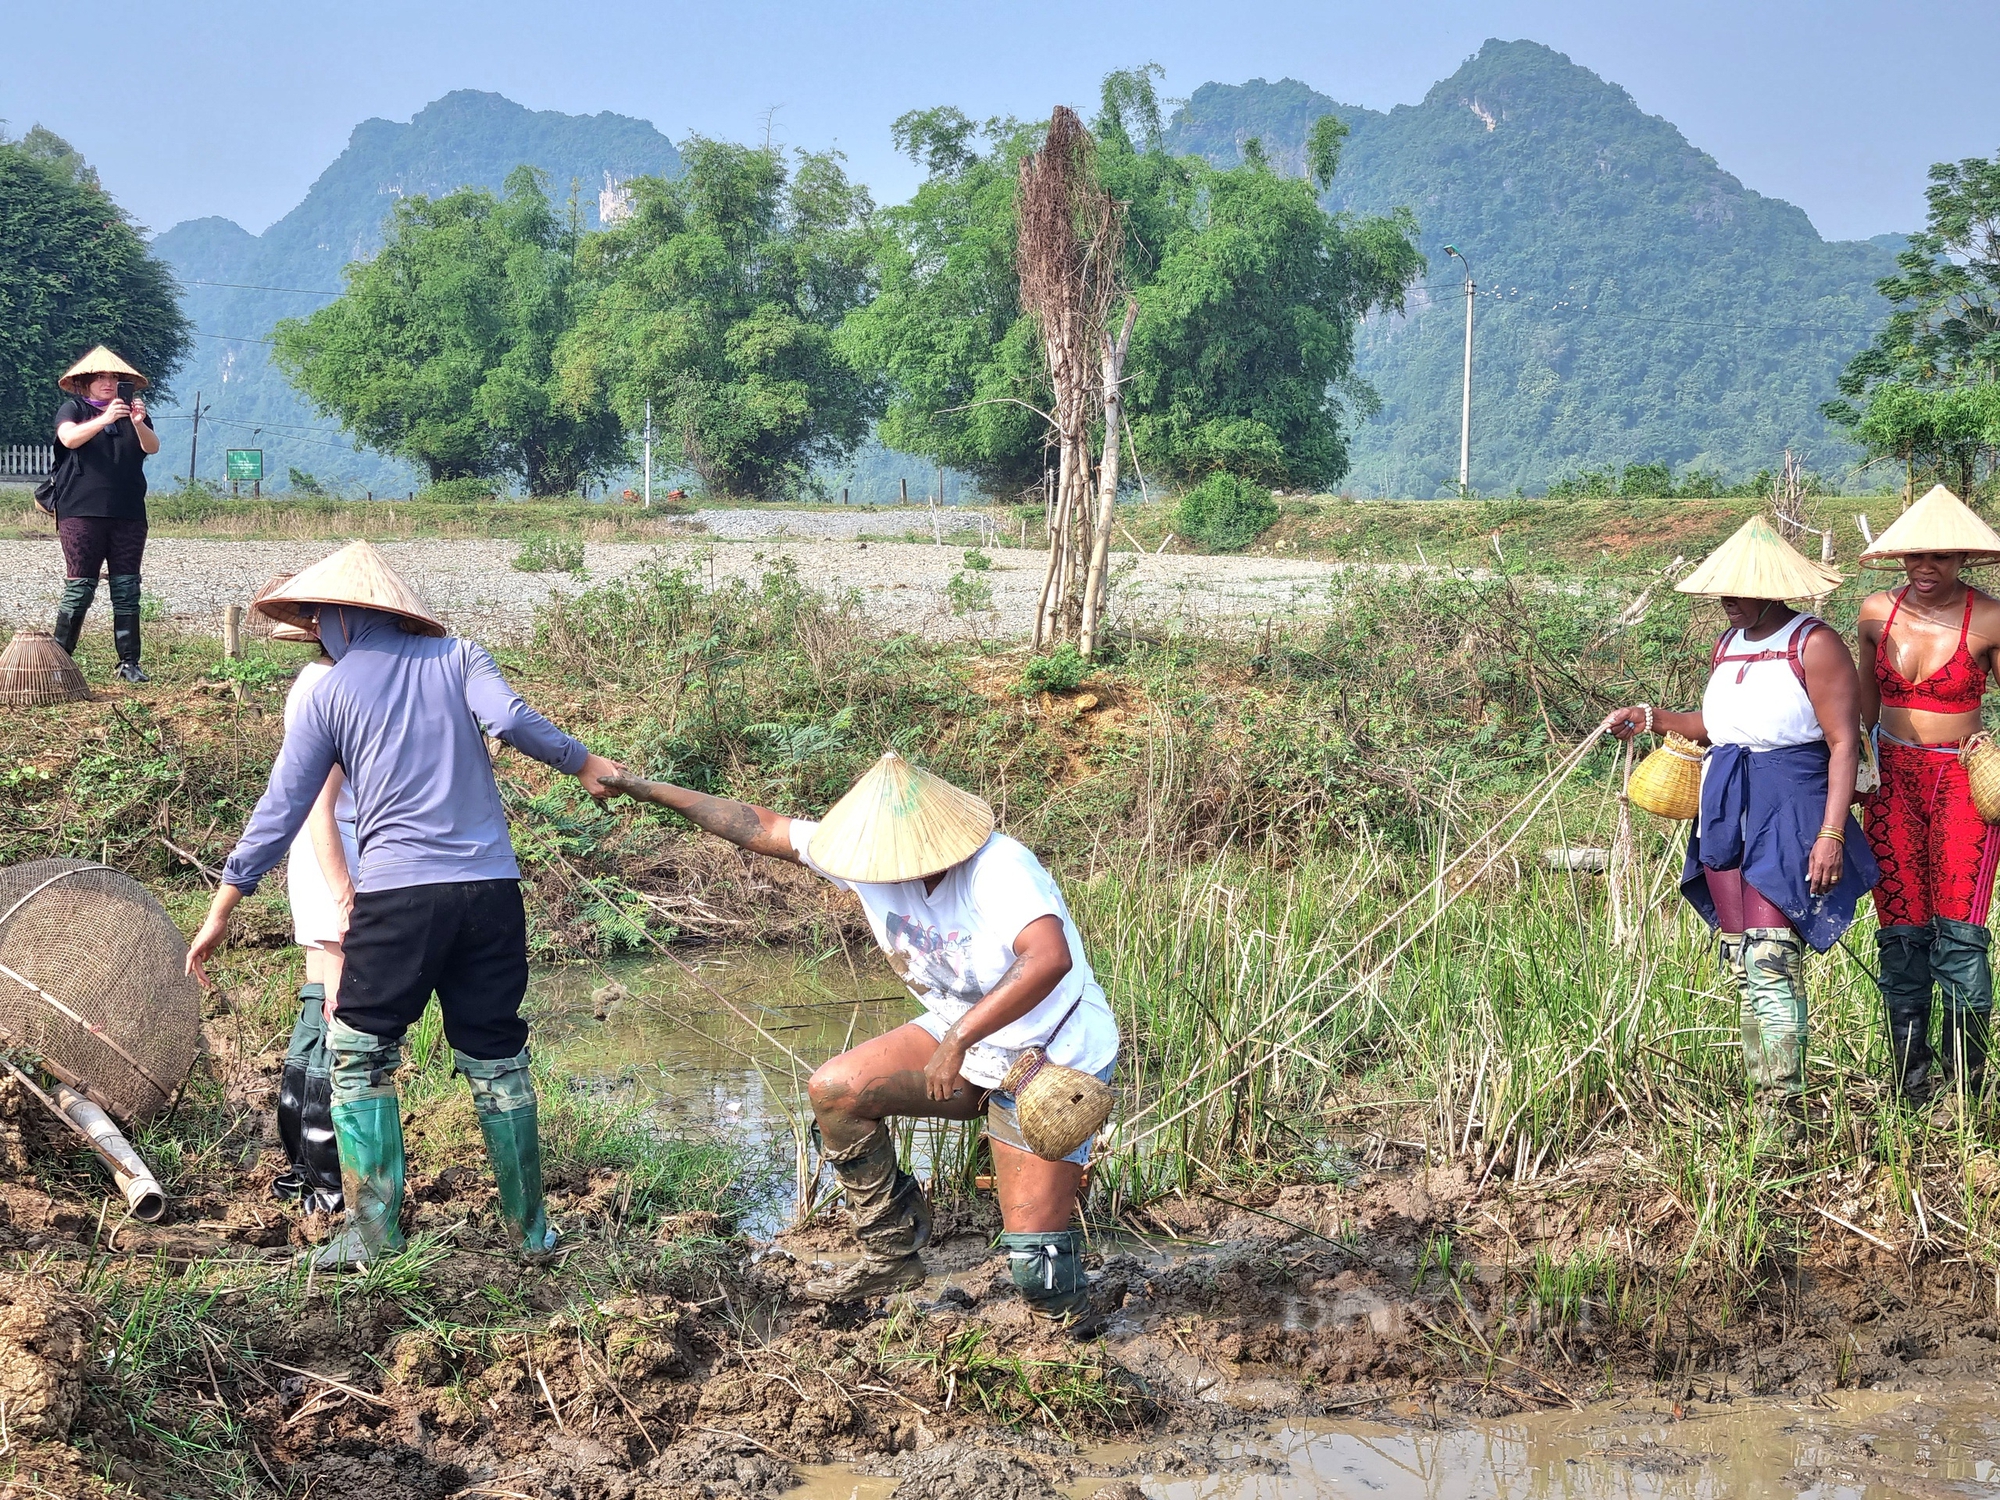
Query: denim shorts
1003, 1123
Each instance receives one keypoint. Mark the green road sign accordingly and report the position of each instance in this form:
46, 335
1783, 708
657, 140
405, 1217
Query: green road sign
245, 465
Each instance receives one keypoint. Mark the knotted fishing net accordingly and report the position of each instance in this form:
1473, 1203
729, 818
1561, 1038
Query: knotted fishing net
91, 983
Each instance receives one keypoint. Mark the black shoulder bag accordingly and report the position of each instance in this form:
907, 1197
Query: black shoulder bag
48, 494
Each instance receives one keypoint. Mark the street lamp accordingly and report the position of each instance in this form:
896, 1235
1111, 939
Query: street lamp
1465, 410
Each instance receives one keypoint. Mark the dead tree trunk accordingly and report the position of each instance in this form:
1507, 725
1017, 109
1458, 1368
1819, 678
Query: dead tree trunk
1069, 241
1113, 401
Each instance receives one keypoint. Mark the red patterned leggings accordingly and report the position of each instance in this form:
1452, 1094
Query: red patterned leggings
1936, 855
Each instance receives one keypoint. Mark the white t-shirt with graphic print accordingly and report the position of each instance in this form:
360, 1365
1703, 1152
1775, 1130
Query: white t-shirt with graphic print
952, 945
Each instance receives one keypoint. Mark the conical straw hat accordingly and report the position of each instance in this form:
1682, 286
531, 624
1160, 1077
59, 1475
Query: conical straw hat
356, 574
1940, 522
281, 631
1757, 563
100, 361
899, 822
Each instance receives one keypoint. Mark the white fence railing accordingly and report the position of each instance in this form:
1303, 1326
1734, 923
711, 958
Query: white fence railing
26, 460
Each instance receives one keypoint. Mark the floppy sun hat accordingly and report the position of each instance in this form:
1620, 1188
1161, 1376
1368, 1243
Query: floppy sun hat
899, 822
100, 361
1757, 563
1940, 522
358, 575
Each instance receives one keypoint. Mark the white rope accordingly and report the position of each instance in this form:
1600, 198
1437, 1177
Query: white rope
1527, 809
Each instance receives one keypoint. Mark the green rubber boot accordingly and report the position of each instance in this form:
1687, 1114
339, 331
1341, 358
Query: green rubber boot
1048, 1272
368, 1124
503, 1094
1774, 1011
1964, 973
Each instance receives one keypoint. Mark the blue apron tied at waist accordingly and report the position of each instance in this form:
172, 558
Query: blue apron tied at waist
1761, 812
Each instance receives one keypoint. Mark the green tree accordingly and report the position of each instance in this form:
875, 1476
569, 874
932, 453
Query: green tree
1924, 392
1249, 297
74, 273
442, 351
964, 370
719, 300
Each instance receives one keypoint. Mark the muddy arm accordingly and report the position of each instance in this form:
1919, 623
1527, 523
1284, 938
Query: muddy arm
757, 829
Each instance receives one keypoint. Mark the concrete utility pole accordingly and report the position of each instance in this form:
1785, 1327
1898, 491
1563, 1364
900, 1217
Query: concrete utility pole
1465, 410
649, 453
194, 442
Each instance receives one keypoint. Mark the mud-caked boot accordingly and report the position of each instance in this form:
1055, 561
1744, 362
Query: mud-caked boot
503, 1095
1905, 953
368, 1122
1960, 960
125, 626
77, 595
1048, 1273
1774, 1025
305, 1112
891, 1218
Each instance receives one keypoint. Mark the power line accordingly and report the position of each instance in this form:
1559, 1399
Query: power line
1584, 307
234, 338
247, 286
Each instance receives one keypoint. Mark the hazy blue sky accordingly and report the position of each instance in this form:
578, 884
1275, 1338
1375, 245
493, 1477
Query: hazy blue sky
233, 107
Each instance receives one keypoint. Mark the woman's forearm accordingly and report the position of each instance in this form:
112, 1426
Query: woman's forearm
1689, 726
1843, 758
1041, 960
149, 440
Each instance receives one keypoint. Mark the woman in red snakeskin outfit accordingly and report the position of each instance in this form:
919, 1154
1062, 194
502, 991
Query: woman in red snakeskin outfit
1928, 648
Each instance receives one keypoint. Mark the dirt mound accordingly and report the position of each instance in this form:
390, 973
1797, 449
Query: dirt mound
716, 1464
45, 1337
952, 1470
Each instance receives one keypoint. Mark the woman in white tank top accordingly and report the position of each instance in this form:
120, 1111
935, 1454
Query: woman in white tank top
1775, 860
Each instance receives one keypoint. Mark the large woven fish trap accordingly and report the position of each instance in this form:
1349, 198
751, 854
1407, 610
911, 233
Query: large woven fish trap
92, 983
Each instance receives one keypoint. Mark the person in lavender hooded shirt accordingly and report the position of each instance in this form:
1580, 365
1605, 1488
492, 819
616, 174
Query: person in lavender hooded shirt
437, 904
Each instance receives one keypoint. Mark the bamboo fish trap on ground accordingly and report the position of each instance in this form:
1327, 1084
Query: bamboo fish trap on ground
92, 984
34, 670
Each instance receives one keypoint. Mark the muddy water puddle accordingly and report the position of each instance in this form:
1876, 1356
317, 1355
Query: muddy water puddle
1864, 1446
673, 1047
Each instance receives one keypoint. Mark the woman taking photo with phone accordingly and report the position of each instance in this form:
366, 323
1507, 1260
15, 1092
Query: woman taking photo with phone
105, 437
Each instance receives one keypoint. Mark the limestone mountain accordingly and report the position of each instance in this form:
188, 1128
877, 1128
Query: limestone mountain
465, 139
1637, 303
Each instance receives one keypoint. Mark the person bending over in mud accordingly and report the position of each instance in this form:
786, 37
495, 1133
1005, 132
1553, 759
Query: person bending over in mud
975, 927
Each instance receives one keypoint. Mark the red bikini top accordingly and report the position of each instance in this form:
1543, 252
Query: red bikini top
1954, 688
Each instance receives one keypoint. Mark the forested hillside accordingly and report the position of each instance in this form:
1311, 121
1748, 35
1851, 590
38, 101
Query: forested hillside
1637, 303
464, 139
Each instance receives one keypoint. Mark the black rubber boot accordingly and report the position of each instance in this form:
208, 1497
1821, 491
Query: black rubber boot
125, 625
1964, 972
77, 595
1905, 954
305, 1112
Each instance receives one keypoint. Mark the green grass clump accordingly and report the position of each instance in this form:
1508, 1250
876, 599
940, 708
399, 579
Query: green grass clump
1225, 513
549, 554
1059, 671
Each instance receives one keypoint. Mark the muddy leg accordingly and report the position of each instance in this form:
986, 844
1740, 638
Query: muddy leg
852, 1096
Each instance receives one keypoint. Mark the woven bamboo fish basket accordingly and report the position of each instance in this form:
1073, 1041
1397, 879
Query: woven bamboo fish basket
1058, 1108
1667, 783
1981, 759
35, 670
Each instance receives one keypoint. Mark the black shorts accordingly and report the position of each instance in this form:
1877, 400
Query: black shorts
466, 941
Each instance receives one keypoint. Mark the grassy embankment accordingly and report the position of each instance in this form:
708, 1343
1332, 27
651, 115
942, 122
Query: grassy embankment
1228, 819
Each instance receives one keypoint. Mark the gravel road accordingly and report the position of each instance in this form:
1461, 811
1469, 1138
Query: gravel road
473, 587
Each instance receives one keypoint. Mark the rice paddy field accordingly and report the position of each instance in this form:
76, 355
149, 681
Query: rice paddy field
1382, 1053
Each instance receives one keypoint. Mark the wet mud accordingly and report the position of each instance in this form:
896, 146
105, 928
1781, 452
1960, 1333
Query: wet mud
1256, 1344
